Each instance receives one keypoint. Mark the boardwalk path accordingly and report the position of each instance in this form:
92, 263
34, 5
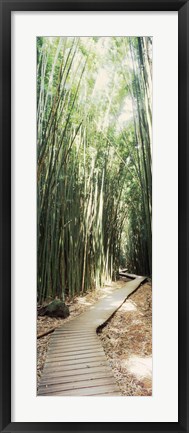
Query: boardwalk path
76, 364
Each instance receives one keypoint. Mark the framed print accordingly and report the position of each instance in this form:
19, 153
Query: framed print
94, 203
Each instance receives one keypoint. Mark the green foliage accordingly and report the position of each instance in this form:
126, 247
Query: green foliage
94, 166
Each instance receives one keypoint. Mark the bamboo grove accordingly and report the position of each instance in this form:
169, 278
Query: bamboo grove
94, 182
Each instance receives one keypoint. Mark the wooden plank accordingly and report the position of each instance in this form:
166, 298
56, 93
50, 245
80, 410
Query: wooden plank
82, 322
76, 358
73, 335
72, 331
73, 341
68, 331
77, 372
108, 394
62, 354
123, 274
101, 389
70, 347
68, 328
73, 347
132, 276
75, 361
77, 385
49, 380
79, 366
74, 372
61, 375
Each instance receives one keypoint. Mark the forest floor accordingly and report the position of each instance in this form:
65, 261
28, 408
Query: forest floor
126, 338
127, 342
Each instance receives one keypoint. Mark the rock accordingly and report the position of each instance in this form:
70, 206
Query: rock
56, 308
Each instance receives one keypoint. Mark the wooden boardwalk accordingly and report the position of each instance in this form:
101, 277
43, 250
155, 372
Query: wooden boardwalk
76, 364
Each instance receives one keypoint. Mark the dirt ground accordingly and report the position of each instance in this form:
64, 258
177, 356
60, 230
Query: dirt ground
127, 342
126, 338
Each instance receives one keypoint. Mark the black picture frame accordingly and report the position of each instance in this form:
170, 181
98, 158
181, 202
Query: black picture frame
6, 7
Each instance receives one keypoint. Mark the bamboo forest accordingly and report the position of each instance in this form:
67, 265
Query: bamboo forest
94, 179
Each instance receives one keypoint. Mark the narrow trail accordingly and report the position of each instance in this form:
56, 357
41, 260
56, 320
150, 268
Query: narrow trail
76, 364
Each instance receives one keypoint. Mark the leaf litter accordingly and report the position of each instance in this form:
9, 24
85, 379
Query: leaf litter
127, 342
